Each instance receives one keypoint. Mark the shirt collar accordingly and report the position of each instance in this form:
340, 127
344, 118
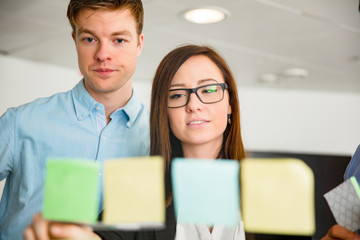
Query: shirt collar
132, 109
83, 102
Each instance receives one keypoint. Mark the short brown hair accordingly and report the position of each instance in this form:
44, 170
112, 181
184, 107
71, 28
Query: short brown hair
135, 6
162, 140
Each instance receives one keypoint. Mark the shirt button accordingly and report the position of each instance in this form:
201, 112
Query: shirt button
128, 124
98, 108
104, 138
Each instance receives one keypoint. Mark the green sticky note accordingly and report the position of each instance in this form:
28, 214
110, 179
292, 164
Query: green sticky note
206, 191
71, 190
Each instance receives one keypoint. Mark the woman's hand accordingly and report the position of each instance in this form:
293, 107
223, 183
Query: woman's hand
339, 232
41, 229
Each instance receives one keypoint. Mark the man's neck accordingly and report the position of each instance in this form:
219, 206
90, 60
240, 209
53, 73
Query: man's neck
111, 106
113, 100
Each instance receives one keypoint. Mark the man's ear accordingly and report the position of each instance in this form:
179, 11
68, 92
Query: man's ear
73, 35
140, 44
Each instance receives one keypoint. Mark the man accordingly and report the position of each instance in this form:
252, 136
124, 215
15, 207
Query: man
353, 169
99, 118
337, 231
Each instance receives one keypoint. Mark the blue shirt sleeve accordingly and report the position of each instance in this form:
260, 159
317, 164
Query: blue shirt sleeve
353, 169
7, 145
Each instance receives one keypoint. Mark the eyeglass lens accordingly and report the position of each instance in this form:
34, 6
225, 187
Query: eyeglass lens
206, 94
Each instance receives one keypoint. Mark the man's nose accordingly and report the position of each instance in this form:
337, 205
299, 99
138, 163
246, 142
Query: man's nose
103, 52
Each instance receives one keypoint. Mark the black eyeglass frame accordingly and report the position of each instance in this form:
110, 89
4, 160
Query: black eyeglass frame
194, 90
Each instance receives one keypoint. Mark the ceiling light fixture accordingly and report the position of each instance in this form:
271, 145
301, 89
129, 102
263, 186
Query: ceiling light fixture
269, 78
355, 59
286, 75
295, 73
206, 15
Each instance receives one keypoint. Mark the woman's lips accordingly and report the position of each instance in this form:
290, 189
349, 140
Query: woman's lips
196, 122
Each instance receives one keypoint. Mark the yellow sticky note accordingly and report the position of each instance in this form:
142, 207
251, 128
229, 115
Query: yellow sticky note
134, 191
277, 196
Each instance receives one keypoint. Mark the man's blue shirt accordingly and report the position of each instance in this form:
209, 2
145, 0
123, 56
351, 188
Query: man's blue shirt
70, 124
353, 169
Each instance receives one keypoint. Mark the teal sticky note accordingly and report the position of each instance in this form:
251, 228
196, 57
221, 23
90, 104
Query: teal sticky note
206, 191
71, 190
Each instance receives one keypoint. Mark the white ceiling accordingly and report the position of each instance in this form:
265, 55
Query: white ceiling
261, 36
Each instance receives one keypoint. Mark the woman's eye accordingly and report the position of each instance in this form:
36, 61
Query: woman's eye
209, 90
176, 96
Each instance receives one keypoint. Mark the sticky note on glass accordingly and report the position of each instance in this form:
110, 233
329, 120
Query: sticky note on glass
71, 190
277, 196
206, 191
134, 192
344, 202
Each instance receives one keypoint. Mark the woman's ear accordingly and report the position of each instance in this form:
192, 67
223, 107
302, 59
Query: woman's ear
229, 109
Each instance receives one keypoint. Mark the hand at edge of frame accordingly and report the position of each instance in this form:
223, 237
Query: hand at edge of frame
41, 229
338, 232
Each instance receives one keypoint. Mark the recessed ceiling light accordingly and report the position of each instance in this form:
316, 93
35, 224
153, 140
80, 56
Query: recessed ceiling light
268, 78
206, 15
355, 59
287, 74
295, 73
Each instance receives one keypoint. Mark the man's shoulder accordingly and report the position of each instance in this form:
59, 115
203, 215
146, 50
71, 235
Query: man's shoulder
46, 102
353, 169
40, 106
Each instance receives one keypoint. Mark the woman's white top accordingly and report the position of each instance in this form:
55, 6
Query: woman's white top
202, 232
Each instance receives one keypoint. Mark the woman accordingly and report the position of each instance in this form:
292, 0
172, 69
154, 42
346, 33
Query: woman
205, 124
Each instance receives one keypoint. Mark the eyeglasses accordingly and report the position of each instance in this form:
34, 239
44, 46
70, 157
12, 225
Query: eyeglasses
210, 93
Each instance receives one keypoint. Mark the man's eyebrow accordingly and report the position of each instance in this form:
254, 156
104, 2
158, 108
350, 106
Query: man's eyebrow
85, 30
119, 33
124, 32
